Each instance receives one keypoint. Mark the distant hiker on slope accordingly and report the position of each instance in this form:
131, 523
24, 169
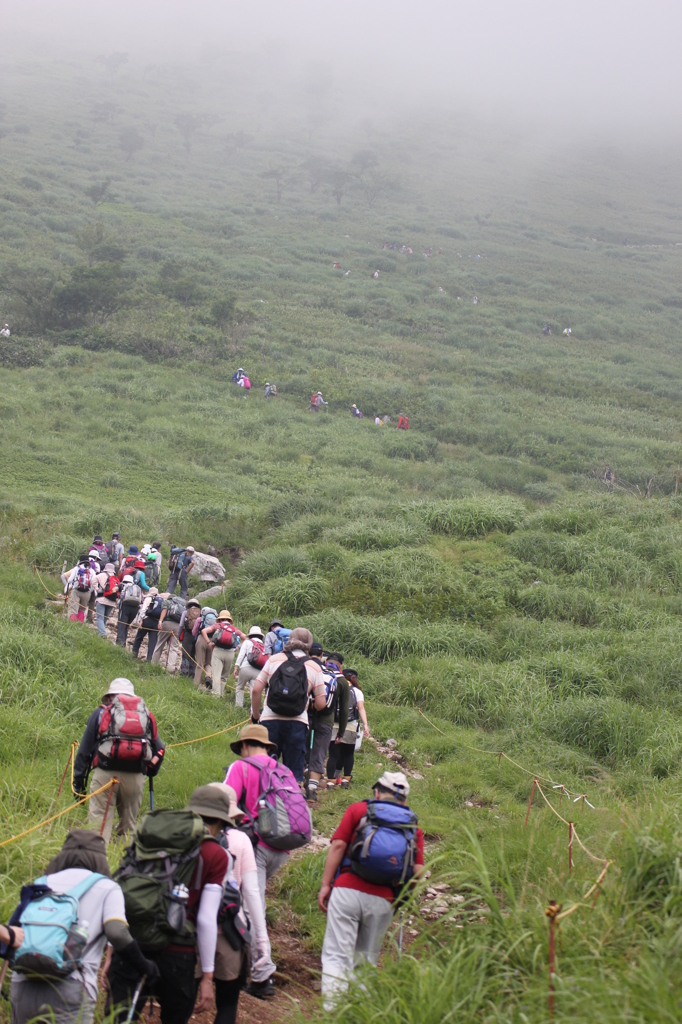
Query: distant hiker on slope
249, 662
81, 586
342, 754
180, 564
376, 850
120, 741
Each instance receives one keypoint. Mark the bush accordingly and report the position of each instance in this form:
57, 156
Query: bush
472, 517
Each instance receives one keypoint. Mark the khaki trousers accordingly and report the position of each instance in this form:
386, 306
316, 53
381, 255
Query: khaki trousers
221, 664
126, 799
168, 635
202, 656
247, 674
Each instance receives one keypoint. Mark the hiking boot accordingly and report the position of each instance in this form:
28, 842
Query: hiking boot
261, 989
345, 783
311, 795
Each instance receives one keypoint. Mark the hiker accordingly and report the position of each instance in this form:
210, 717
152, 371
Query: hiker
337, 699
171, 621
270, 390
342, 753
273, 643
96, 908
403, 422
139, 574
316, 402
378, 422
81, 585
130, 599
249, 662
203, 678
128, 562
567, 331
317, 653
475, 300
547, 330
609, 476
237, 376
359, 911
245, 383
223, 638
115, 550
184, 844
292, 680
99, 546
187, 639
156, 546
107, 595
355, 411
120, 741
179, 565
150, 611
249, 778
5, 331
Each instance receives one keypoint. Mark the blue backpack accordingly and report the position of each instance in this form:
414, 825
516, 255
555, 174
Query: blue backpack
49, 920
384, 848
282, 637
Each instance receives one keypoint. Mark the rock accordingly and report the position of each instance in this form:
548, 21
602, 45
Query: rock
391, 744
211, 592
210, 550
208, 568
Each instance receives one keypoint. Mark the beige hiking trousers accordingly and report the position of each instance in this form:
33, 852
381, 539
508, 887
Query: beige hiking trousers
221, 664
126, 799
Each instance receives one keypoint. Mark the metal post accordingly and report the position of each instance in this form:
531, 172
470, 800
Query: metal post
570, 847
530, 802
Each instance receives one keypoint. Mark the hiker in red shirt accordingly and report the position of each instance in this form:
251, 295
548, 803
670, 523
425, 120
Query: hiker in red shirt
403, 422
362, 879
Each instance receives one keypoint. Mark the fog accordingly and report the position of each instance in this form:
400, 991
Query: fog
606, 66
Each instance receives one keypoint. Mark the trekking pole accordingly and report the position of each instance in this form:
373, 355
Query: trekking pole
400, 933
151, 793
136, 996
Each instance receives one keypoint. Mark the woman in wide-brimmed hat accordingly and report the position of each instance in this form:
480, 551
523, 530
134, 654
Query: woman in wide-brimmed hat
249, 662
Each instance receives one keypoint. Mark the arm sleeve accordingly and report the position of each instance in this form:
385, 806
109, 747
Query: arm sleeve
254, 908
144, 586
207, 925
87, 746
117, 934
243, 651
270, 640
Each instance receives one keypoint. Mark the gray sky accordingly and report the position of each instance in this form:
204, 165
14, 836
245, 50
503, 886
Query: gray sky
598, 63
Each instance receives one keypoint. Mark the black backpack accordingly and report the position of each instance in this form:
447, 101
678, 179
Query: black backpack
288, 688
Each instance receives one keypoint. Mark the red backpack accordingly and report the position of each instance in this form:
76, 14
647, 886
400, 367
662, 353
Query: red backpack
224, 636
125, 729
112, 588
257, 656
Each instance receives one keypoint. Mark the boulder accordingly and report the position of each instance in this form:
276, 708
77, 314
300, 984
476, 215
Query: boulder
208, 568
211, 592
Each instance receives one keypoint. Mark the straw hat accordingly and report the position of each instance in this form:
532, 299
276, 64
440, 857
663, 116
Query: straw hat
224, 615
253, 734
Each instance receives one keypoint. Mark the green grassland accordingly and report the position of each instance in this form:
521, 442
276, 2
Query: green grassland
474, 568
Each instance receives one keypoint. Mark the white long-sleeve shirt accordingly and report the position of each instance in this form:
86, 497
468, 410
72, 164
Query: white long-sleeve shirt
244, 650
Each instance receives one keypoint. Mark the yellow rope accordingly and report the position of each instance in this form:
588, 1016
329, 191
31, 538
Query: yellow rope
54, 817
209, 737
583, 902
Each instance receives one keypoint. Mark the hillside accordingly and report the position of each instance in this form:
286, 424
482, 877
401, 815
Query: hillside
476, 568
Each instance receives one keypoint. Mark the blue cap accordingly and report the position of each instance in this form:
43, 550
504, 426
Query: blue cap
132, 550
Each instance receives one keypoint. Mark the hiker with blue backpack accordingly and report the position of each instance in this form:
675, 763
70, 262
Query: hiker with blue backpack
293, 682
275, 816
337, 700
121, 742
62, 924
275, 638
375, 852
180, 564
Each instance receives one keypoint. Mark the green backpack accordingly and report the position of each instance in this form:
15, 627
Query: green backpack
162, 855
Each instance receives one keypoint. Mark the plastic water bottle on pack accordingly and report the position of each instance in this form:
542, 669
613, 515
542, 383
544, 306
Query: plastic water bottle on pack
76, 941
176, 914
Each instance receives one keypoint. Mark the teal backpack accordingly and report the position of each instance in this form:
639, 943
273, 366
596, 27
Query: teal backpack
53, 942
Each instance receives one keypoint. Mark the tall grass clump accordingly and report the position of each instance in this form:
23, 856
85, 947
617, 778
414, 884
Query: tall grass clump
384, 639
473, 517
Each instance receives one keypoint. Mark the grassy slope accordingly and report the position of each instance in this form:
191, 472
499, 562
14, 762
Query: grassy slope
538, 614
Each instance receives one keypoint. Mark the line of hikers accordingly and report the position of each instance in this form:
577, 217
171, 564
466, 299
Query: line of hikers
184, 915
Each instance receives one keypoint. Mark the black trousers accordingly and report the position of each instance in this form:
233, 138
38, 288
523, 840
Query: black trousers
341, 758
175, 991
126, 614
145, 630
226, 1000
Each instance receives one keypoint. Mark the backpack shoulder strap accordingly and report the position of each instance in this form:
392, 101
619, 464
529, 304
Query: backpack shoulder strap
80, 890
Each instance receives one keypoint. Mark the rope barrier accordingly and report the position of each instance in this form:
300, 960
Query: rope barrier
210, 736
48, 821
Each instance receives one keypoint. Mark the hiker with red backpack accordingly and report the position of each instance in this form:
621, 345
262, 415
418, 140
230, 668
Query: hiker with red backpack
81, 586
107, 596
275, 815
250, 660
375, 852
120, 741
293, 682
223, 639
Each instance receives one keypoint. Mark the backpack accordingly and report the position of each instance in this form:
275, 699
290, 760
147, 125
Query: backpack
208, 617
155, 608
51, 947
176, 606
111, 550
112, 588
283, 820
125, 728
383, 849
247, 382
232, 916
82, 580
256, 656
288, 687
225, 637
128, 565
331, 685
282, 635
163, 854
174, 559
352, 707
150, 570
131, 595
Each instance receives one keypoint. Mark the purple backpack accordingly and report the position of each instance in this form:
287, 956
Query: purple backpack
283, 821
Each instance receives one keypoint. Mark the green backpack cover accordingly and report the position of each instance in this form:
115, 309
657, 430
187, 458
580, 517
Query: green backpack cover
162, 854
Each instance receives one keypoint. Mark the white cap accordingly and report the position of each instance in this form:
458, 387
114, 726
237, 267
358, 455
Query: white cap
127, 578
120, 685
395, 782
